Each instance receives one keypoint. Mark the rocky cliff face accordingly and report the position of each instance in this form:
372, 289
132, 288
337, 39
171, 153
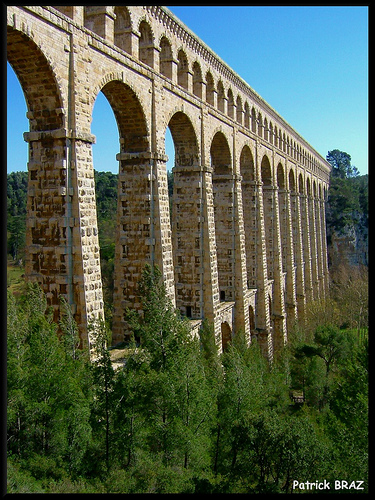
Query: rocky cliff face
349, 244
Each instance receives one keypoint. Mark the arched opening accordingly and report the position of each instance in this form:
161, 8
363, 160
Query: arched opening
134, 221
269, 215
292, 182
146, 44
276, 137
47, 206
250, 216
271, 133
283, 215
220, 155
230, 104
222, 180
247, 115
280, 176
220, 97
122, 29
260, 125
226, 336
104, 127
239, 110
265, 131
266, 171
17, 124
17, 176
210, 89
187, 211
253, 121
301, 189
166, 58
252, 323
182, 69
197, 80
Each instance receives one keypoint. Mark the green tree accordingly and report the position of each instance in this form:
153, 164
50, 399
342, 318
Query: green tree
330, 345
341, 164
175, 402
48, 392
103, 385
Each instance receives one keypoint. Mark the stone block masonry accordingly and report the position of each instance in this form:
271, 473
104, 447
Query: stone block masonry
245, 246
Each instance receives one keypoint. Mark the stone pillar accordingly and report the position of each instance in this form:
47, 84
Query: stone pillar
324, 246
162, 225
313, 245
275, 266
288, 257
299, 257
263, 319
319, 243
211, 297
305, 230
128, 40
224, 228
187, 230
241, 311
100, 19
143, 232
86, 252
62, 247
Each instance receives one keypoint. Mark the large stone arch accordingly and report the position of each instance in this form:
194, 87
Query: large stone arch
136, 221
221, 158
38, 81
184, 139
223, 190
46, 208
250, 213
266, 171
187, 216
57, 243
226, 336
130, 117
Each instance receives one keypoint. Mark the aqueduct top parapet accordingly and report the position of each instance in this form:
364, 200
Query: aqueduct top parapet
154, 36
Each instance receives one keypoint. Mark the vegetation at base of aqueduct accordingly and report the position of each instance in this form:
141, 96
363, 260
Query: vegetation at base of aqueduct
177, 417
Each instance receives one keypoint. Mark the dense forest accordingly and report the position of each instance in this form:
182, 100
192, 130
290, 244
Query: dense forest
175, 416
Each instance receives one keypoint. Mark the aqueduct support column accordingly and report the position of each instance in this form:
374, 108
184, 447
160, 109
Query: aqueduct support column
275, 264
263, 319
324, 246
319, 244
241, 312
162, 225
143, 232
50, 221
288, 257
62, 237
187, 228
313, 245
305, 229
211, 299
299, 257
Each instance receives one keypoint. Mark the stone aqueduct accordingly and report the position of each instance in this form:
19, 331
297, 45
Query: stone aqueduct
246, 244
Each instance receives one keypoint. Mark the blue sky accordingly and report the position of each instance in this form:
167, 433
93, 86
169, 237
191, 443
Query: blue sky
309, 63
